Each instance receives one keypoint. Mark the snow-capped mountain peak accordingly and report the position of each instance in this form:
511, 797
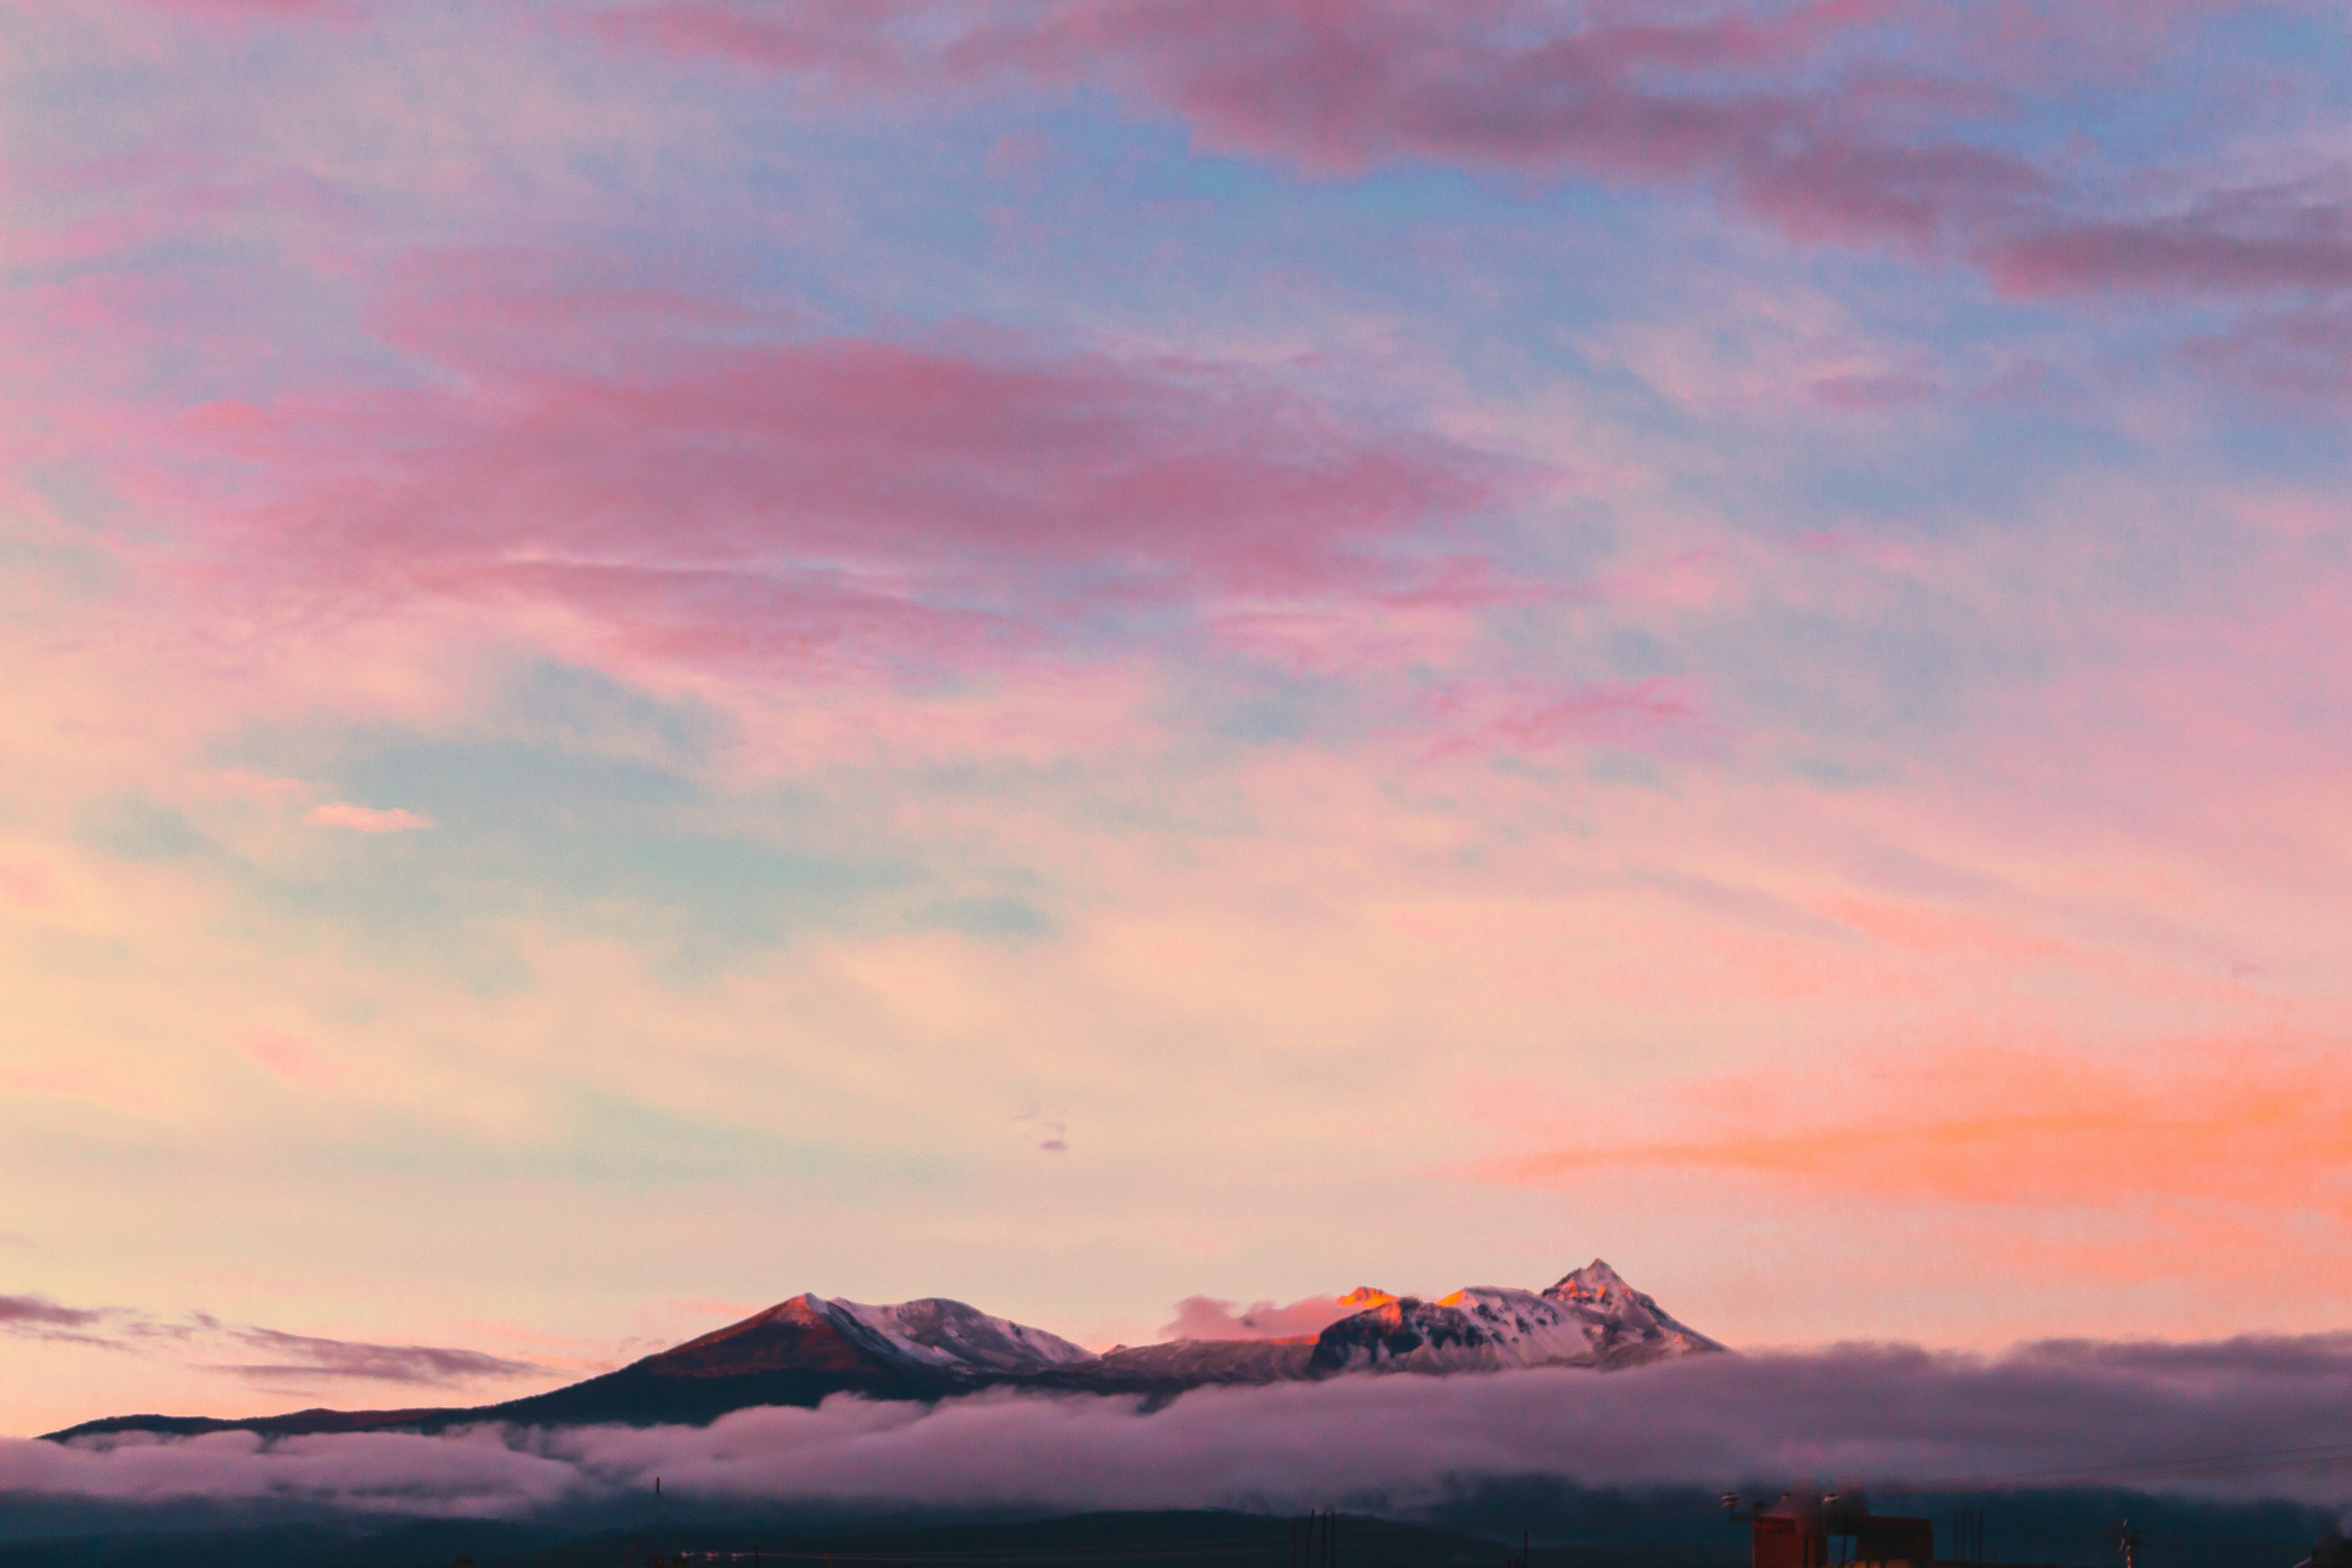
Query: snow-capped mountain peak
1596, 1282
941, 1335
1592, 1318
1625, 1324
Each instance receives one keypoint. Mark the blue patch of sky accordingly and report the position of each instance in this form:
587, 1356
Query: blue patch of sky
1259, 705
40, 562
2286, 441
137, 828
1123, 222
577, 800
1001, 918
774, 1140
586, 711
1855, 693
598, 1138
1635, 653
604, 842
1962, 472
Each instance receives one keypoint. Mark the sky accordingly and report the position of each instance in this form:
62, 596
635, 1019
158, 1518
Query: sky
1086, 654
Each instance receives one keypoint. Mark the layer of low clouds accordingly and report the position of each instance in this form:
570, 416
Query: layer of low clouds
2245, 1418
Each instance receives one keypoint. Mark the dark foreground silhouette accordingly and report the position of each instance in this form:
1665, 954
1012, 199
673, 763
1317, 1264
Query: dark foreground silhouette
1566, 1526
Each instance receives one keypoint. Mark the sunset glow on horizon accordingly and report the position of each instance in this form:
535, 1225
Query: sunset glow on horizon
1135, 659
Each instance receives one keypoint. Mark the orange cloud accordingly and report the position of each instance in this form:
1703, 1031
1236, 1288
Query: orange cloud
1999, 1126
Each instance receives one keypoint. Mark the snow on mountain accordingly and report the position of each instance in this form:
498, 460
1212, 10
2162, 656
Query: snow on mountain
1591, 1318
929, 1341
942, 1335
1625, 1325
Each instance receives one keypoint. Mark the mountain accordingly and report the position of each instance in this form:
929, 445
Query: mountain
1189, 1363
1591, 1318
800, 1351
933, 1336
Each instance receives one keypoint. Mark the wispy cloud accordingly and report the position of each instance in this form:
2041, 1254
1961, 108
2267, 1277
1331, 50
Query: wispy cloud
364, 820
38, 1318
290, 1358
1055, 1128
303, 1356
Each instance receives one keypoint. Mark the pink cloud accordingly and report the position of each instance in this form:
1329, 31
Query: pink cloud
1436, 622
2246, 241
29, 885
300, 1357
843, 504
1875, 394
39, 1317
849, 38
1481, 723
257, 10
2296, 357
292, 1057
364, 820
1206, 1318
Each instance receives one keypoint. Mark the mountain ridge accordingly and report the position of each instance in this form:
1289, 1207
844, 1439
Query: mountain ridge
808, 1347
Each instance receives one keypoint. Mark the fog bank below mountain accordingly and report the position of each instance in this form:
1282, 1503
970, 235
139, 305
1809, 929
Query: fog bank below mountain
2176, 1418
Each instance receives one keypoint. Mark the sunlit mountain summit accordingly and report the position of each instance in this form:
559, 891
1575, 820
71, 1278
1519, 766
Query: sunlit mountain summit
1591, 1318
